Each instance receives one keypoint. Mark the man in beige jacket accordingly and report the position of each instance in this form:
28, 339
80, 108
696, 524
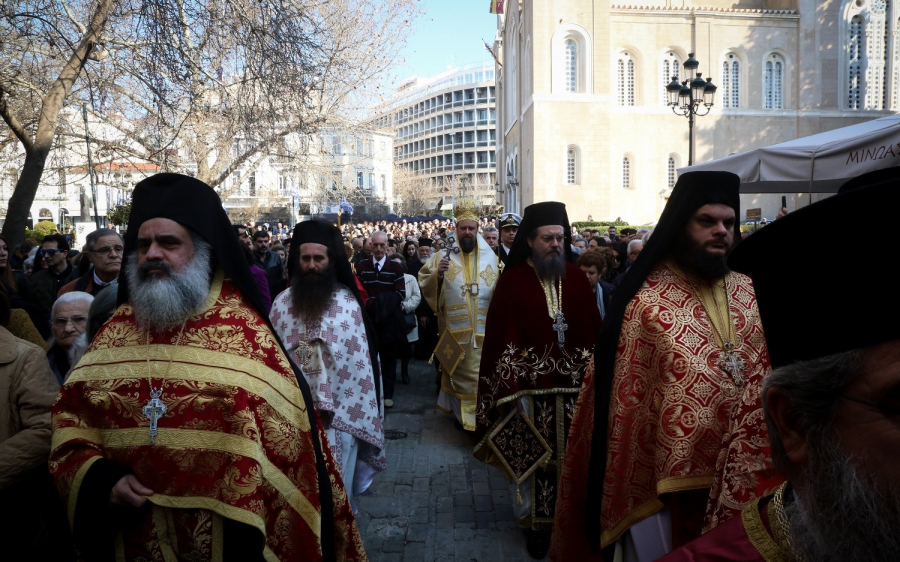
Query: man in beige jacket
29, 522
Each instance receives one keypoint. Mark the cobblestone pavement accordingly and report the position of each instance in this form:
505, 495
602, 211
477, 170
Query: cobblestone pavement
435, 501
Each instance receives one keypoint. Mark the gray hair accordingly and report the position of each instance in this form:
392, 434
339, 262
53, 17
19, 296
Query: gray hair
814, 388
641, 232
91, 238
73, 296
632, 243
490, 229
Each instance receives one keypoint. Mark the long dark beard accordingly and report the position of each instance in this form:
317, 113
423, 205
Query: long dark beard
844, 515
549, 268
697, 259
468, 244
164, 302
311, 293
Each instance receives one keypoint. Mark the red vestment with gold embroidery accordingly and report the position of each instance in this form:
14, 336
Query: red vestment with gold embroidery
234, 444
677, 420
522, 358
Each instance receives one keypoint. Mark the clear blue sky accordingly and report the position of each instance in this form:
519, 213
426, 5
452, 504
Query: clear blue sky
449, 32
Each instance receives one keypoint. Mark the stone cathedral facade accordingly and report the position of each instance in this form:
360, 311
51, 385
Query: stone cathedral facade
581, 101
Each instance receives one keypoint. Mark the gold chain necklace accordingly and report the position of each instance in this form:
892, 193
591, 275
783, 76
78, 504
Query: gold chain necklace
554, 305
155, 409
723, 330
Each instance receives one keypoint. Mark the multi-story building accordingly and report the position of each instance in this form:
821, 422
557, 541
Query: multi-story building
583, 114
304, 175
445, 132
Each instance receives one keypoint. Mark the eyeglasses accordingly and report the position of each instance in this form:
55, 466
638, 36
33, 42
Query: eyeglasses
634, 252
49, 252
105, 251
547, 238
889, 410
77, 321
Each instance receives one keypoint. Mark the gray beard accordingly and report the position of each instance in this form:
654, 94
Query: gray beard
160, 304
78, 348
844, 515
424, 260
550, 268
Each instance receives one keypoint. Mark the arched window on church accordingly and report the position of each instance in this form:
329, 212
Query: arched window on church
671, 70
573, 171
774, 82
731, 81
571, 66
855, 52
626, 172
671, 172
626, 75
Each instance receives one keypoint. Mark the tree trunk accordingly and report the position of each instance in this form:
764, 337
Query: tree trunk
36, 151
23, 195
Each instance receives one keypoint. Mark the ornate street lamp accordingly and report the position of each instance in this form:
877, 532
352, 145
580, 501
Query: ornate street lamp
692, 96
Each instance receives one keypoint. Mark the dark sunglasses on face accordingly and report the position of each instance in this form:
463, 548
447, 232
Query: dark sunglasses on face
49, 253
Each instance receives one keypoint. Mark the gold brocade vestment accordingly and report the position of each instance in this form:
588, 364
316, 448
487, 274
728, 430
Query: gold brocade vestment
235, 442
461, 303
672, 415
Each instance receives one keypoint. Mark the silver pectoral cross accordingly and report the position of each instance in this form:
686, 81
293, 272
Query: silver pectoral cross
733, 364
153, 410
560, 327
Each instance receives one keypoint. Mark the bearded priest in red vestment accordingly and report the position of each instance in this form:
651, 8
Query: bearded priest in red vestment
185, 433
831, 401
541, 326
668, 439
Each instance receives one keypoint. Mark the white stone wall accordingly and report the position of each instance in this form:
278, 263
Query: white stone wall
803, 33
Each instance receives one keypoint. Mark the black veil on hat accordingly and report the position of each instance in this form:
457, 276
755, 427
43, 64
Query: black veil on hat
536, 216
328, 235
692, 191
793, 289
194, 204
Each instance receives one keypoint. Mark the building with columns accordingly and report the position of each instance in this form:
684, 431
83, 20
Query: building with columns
582, 113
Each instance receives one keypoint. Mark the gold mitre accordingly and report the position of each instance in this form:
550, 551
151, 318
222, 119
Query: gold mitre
467, 210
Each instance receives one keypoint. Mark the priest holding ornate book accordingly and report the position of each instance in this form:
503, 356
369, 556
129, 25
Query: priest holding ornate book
458, 283
541, 328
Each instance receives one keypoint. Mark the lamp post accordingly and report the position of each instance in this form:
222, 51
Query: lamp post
686, 98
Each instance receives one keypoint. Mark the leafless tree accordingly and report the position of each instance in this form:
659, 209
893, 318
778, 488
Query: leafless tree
416, 194
206, 87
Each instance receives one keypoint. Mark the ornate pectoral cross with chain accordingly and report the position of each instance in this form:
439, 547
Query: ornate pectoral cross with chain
154, 410
560, 327
733, 364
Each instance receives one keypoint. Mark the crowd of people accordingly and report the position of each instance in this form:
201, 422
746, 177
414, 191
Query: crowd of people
195, 389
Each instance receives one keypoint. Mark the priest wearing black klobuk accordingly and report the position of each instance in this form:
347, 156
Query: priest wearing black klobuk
832, 402
539, 337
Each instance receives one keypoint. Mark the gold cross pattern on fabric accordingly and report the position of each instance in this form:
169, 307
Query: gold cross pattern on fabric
449, 352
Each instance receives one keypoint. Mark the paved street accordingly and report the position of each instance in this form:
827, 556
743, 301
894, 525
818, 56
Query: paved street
435, 501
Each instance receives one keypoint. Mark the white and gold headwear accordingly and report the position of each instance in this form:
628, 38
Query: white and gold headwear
467, 210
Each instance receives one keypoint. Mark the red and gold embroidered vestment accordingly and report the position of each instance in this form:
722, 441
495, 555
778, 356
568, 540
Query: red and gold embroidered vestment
235, 442
677, 421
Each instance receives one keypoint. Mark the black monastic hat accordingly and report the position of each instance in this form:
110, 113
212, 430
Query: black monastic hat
795, 283
194, 204
425, 242
536, 216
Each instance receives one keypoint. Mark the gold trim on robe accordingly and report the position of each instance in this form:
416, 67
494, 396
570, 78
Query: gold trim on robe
462, 312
